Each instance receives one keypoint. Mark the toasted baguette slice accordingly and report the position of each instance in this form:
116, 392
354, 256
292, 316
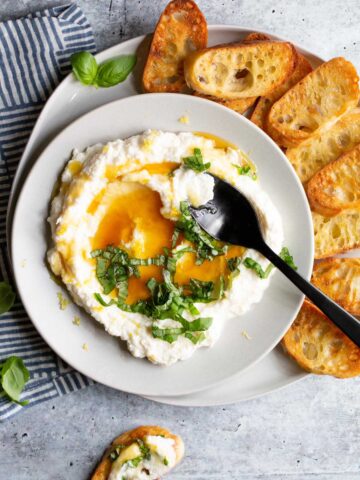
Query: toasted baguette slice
262, 109
322, 96
336, 187
339, 278
256, 37
318, 346
240, 105
336, 234
181, 29
103, 470
325, 146
240, 70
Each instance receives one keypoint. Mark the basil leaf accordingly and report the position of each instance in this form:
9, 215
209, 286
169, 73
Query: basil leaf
233, 263
167, 334
114, 71
206, 247
245, 170
134, 462
102, 302
254, 265
196, 162
144, 449
7, 297
14, 376
84, 67
284, 254
195, 338
287, 257
114, 454
200, 324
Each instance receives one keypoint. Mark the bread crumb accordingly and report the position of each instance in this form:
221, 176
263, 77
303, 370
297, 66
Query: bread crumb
184, 119
23, 263
245, 334
76, 320
63, 302
85, 347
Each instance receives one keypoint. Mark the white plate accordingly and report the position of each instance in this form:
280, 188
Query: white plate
106, 362
68, 102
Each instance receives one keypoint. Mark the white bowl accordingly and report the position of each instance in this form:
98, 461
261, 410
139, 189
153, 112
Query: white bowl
106, 360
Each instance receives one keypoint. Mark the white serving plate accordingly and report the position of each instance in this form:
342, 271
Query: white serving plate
69, 101
105, 361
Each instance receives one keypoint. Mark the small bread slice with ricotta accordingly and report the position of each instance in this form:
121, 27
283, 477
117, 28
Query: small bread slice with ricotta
339, 278
336, 187
240, 70
239, 105
263, 107
336, 234
325, 146
181, 29
322, 96
147, 452
318, 346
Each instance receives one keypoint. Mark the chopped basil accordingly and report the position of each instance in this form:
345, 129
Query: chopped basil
233, 263
144, 449
288, 258
115, 452
284, 254
166, 462
205, 246
254, 265
196, 162
134, 462
245, 170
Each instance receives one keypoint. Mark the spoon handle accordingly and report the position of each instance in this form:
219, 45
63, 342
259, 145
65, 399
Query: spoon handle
346, 322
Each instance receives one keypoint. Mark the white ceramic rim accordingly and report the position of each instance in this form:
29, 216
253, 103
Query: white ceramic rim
44, 332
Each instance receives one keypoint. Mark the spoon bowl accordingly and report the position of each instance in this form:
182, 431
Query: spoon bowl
231, 218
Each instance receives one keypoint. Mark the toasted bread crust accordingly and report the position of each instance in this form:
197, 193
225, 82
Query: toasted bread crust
318, 346
256, 37
336, 187
102, 471
325, 146
263, 107
336, 234
239, 105
181, 29
323, 95
339, 278
240, 70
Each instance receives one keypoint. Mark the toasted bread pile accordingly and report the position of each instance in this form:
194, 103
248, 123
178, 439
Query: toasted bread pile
234, 75
313, 116
318, 346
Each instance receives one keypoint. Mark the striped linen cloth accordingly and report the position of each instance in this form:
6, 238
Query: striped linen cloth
34, 57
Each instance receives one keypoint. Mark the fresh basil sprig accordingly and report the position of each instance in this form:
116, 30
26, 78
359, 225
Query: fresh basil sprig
107, 74
13, 377
7, 297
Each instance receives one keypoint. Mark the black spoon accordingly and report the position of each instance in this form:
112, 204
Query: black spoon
230, 217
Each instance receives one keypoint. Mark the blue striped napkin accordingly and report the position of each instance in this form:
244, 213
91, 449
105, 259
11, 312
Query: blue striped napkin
34, 57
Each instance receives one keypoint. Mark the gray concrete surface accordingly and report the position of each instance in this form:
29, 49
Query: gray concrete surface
310, 430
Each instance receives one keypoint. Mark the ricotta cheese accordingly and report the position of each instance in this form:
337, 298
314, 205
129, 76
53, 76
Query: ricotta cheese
148, 167
131, 465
